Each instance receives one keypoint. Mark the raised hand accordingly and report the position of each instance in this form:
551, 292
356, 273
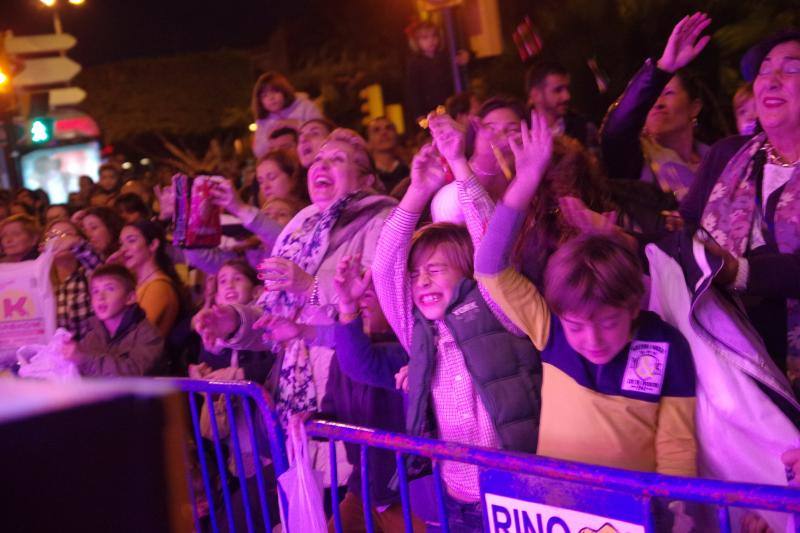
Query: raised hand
225, 195
280, 274
350, 282
684, 42
278, 328
218, 322
532, 151
401, 379
166, 201
427, 177
427, 171
449, 136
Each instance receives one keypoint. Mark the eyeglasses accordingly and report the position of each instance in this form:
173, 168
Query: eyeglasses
58, 234
789, 66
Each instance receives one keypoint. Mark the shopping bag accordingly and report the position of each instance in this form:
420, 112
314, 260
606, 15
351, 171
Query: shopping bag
27, 305
302, 485
46, 361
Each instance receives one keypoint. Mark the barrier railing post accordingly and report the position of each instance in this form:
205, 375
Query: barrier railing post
337, 516
724, 519
262, 492
649, 519
223, 474
237, 456
405, 501
439, 487
366, 497
212, 515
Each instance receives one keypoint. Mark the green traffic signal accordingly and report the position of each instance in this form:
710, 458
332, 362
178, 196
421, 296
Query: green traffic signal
41, 130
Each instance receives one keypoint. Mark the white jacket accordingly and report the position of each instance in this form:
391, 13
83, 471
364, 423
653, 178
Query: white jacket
741, 432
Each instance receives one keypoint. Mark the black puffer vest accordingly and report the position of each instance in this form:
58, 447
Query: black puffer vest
505, 369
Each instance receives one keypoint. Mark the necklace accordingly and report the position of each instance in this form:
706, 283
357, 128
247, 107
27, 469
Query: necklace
150, 275
774, 158
482, 172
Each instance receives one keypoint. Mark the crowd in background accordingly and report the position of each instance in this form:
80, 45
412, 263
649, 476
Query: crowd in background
510, 276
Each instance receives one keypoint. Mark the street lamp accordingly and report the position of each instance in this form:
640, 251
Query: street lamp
53, 4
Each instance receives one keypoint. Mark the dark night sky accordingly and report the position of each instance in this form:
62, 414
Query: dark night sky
110, 30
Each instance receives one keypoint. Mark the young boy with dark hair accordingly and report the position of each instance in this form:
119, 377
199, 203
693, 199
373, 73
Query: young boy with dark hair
120, 342
618, 386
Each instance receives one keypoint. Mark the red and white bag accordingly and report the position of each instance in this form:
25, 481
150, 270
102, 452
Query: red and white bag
197, 218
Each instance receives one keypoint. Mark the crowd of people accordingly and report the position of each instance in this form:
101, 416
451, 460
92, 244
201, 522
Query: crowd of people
625, 296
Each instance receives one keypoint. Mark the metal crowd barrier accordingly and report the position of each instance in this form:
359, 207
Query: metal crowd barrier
259, 416
645, 487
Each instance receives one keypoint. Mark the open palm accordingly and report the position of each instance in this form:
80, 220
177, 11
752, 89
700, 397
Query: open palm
350, 282
427, 171
684, 42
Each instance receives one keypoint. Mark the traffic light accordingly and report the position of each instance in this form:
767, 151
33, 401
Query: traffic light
41, 130
372, 107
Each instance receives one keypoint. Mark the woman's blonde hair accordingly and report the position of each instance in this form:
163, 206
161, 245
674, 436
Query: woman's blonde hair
29, 223
591, 271
359, 145
451, 239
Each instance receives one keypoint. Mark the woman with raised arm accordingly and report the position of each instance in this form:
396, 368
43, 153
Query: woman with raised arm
648, 133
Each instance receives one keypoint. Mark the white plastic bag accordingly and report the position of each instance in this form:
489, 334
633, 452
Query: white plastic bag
303, 486
46, 361
27, 305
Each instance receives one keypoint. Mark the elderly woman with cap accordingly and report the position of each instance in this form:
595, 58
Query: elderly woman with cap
747, 195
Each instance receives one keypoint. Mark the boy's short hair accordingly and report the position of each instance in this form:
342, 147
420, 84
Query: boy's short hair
416, 28
280, 132
539, 72
108, 166
131, 203
118, 272
453, 241
590, 271
459, 104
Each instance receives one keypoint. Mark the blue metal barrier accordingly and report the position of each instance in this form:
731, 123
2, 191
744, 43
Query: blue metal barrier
646, 487
246, 396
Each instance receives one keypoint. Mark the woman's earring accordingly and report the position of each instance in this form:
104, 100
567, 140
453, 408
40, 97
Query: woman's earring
694, 122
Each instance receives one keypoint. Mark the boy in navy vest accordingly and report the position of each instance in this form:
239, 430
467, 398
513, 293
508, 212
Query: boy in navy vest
469, 380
